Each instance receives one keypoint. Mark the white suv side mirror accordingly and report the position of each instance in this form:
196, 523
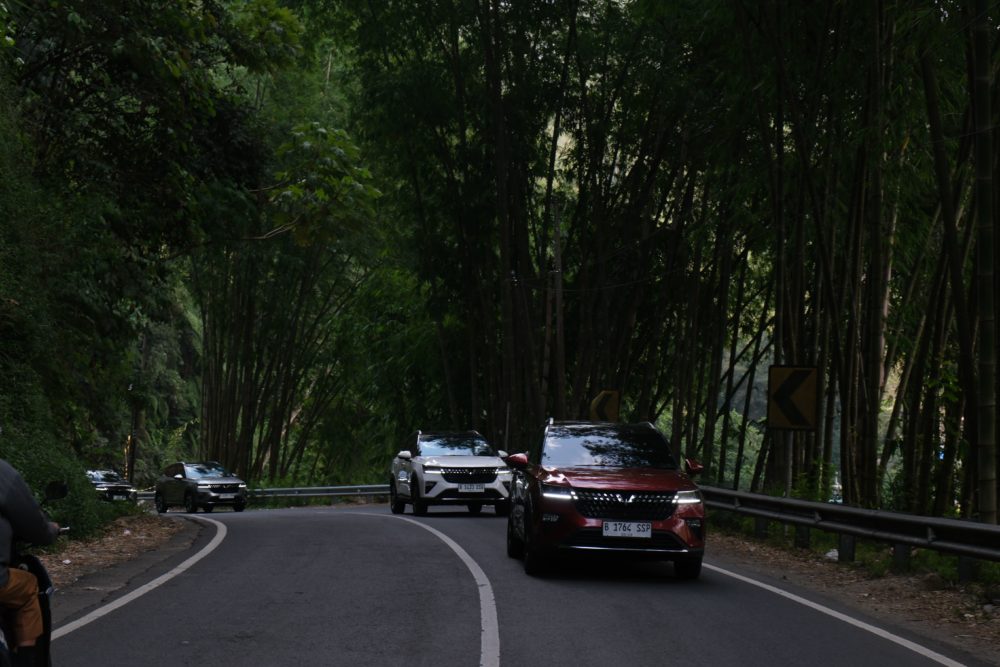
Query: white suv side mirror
405, 455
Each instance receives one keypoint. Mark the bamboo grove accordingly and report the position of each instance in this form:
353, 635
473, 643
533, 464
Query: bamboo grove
284, 235
661, 198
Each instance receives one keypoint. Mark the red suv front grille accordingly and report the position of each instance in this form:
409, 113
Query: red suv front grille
592, 538
625, 505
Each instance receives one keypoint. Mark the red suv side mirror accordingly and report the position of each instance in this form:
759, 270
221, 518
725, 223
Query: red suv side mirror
518, 461
692, 466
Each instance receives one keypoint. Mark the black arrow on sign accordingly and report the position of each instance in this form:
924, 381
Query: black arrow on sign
783, 396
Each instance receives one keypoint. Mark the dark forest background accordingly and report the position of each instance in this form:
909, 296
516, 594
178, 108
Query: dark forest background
283, 235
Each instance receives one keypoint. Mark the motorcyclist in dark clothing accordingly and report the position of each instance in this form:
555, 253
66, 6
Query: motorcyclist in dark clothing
21, 519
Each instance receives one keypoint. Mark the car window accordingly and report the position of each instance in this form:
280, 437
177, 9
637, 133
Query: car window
104, 476
606, 446
454, 445
204, 470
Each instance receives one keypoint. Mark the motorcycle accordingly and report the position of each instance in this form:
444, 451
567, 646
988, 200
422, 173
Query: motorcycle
33, 564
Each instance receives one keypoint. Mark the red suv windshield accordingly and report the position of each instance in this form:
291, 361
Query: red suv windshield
606, 445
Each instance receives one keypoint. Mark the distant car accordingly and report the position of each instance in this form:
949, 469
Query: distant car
605, 487
204, 485
449, 468
112, 486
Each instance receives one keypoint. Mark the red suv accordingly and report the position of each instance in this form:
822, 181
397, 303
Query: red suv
596, 486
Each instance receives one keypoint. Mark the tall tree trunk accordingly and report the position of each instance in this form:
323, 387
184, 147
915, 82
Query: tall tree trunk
986, 393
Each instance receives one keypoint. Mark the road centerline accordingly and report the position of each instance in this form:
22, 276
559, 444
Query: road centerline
489, 646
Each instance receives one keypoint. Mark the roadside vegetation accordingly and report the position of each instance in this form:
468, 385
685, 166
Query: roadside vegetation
285, 234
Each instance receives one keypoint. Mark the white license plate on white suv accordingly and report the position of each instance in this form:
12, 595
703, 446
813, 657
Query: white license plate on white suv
471, 488
627, 529
226, 496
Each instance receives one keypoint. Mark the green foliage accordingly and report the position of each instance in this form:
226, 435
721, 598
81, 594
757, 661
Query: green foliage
341, 219
323, 192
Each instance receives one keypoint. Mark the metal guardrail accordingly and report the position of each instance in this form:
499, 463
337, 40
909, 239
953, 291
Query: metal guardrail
308, 491
322, 491
964, 538
956, 536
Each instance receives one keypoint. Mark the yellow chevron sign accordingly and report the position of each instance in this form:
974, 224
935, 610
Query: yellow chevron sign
792, 397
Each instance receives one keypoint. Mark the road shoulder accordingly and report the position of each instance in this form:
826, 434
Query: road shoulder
109, 580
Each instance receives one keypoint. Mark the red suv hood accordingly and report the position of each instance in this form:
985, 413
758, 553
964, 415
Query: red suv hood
622, 479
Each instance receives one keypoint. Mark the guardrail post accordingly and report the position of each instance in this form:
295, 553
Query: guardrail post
900, 557
845, 548
967, 569
802, 535
760, 527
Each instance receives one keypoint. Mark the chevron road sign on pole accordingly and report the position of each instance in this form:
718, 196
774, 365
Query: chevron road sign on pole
792, 397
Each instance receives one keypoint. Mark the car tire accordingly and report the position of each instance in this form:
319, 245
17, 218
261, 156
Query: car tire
396, 506
502, 508
208, 508
475, 509
535, 561
239, 507
159, 503
515, 547
190, 504
419, 506
689, 568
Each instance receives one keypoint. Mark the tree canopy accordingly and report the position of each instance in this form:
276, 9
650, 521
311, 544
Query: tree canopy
284, 234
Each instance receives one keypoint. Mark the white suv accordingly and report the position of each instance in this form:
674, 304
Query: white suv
449, 468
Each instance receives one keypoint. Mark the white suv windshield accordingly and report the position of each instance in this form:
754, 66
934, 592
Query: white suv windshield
446, 445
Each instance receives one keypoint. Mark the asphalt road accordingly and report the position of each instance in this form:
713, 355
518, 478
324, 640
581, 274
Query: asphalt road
359, 586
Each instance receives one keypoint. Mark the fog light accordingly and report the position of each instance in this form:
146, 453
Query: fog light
550, 518
696, 527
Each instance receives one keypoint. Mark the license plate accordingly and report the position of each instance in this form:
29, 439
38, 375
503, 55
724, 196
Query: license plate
121, 497
226, 496
471, 488
627, 529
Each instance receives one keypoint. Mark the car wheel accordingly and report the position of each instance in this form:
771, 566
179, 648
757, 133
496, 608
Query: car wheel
396, 506
161, 505
419, 506
515, 547
475, 508
190, 505
208, 508
688, 568
239, 507
502, 508
535, 561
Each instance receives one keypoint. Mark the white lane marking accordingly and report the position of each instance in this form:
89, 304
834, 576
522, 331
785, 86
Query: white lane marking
220, 534
879, 632
489, 644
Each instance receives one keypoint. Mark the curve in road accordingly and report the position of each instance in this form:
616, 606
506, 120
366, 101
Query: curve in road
220, 535
489, 654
